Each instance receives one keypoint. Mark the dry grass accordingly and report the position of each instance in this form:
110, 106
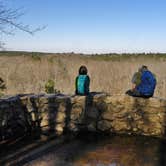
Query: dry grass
28, 74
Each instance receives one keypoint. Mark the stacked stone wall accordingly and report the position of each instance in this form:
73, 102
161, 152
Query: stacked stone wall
98, 112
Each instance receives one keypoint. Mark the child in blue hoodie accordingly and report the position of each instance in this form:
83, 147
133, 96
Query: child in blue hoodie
146, 86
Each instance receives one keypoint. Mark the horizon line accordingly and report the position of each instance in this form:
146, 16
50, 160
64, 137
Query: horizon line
92, 53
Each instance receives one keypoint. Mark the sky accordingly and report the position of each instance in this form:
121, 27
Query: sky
91, 26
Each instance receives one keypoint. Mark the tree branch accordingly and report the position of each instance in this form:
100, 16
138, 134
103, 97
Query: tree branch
9, 22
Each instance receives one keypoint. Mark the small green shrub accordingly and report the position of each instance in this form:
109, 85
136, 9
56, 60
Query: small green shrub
2, 87
1, 94
35, 56
51, 59
2, 84
50, 87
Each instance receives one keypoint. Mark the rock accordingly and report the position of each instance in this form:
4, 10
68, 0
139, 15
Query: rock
121, 126
60, 117
104, 126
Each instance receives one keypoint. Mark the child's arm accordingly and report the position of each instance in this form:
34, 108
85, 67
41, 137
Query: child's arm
87, 85
76, 80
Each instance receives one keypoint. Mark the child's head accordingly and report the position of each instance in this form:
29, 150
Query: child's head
83, 70
144, 68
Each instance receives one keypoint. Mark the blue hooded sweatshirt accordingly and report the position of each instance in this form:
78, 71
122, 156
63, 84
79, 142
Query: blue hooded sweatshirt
148, 84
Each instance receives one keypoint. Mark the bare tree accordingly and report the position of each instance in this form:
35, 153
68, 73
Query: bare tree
9, 22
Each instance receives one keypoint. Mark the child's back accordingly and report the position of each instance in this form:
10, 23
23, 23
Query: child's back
82, 82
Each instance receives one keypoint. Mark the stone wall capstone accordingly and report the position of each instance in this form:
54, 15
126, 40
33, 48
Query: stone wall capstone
98, 112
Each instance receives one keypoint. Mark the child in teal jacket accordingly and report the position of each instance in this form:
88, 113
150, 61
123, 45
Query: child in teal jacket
82, 82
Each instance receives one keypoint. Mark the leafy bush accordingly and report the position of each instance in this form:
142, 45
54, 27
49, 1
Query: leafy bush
2, 87
36, 56
50, 87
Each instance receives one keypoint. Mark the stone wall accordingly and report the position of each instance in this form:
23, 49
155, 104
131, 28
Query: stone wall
99, 112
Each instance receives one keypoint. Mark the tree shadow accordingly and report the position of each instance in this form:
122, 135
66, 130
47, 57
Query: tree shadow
138, 109
16, 120
162, 147
59, 112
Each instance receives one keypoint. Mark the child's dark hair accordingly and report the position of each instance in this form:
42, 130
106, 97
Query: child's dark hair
83, 70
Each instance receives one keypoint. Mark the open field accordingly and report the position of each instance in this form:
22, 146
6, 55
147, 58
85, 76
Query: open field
28, 72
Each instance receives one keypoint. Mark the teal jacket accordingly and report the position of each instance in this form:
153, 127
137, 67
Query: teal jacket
82, 84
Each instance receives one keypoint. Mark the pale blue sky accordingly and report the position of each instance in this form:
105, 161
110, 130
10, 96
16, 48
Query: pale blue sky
92, 26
